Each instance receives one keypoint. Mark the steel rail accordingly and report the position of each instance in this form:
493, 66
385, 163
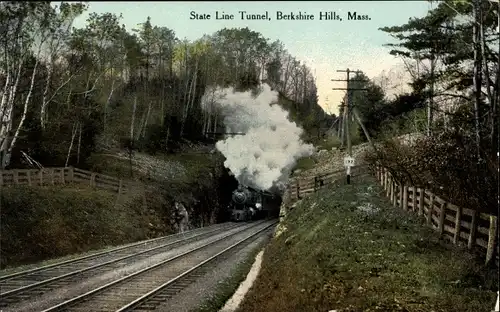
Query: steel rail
136, 303
101, 253
76, 300
100, 265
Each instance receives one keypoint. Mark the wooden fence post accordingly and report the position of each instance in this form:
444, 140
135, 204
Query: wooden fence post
386, 179
458, 221
405, 197
92, 179
396, 194
389, 187
62, 176
441, 218
421, 202
52, 174
120, 185
16, 177
71, 174
430, 209
391, 191
400, 197
382, 181
287, 198
28, 176
492, 241
414, 199
473, 230
298, 189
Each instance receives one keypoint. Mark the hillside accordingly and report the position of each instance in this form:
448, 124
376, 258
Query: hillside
88, 219
191, 174
345, 248
310, 116
127, 103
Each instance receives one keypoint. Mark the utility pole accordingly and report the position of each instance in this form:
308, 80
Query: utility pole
348, 161
340, 118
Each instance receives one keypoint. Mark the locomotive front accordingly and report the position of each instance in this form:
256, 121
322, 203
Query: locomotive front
243, 203
241, 196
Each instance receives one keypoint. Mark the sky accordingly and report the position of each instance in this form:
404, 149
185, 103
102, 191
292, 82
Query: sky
324, 45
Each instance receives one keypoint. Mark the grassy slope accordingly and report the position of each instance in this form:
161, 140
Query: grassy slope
334, 256
78, 219
42, 223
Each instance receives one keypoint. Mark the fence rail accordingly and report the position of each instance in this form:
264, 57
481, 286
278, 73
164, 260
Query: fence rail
298, 188
63, 175
459, 225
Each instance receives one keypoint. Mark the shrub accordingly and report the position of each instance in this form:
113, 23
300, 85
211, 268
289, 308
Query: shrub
448, 165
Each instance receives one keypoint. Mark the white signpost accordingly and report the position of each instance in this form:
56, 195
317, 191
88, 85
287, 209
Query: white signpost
348, 163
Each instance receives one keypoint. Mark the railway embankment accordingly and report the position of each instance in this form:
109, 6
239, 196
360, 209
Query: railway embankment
169, 273
346, 248
42, 223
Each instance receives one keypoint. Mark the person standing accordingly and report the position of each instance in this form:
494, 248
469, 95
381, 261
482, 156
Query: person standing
182, 217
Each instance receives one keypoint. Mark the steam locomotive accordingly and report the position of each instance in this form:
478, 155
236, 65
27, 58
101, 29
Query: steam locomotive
248, 204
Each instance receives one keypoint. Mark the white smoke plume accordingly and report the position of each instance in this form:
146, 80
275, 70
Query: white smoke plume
264, 156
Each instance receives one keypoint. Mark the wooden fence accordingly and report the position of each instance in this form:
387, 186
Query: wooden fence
459, 225
65, 175
297, 188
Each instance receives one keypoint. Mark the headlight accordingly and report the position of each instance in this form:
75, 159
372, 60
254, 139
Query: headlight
258, 206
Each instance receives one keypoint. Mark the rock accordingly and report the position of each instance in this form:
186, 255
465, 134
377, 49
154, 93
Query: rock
368, 208
280, 229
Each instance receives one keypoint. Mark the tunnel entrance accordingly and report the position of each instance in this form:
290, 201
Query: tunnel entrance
227, 184
272, 205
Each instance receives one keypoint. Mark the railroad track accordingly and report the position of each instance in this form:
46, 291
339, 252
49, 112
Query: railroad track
153, 285
24, 285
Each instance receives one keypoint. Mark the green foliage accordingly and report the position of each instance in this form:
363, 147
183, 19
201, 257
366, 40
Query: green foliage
458, 160
305, 163
365, 101
103, 85
346, 248
445, 38
447, 165
328, 143
411, 122
380, 115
